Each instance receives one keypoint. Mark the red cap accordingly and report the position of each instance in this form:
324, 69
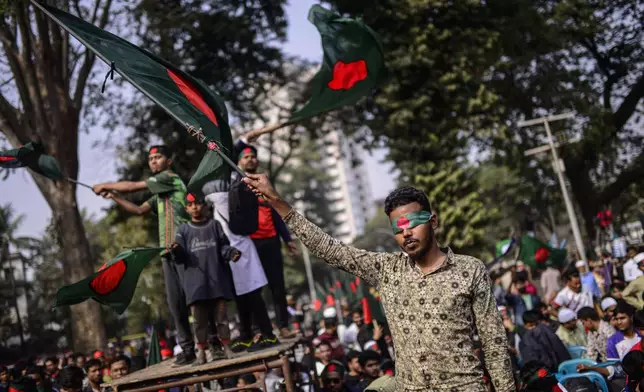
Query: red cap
98, 354
166, 352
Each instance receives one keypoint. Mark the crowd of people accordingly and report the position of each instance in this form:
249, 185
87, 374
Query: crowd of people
449, 327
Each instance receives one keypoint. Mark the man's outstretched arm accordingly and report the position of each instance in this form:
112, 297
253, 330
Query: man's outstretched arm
364, 264
128, 205
121, 186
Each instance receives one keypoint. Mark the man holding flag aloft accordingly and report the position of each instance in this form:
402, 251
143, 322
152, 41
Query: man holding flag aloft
168, 204
433, 298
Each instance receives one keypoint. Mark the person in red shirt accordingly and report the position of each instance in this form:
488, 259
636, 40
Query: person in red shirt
267, 242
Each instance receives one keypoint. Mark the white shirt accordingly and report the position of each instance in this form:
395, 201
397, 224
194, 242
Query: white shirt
631, 269
573, 301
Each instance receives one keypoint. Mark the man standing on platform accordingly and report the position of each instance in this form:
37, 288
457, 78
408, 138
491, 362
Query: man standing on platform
267, 242
168, 203
433, 298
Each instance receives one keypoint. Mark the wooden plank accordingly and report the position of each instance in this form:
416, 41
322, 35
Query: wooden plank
166, 370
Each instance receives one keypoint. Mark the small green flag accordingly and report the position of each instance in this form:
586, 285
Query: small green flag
31, 155
536, 253
114, 283
503, 246
353, 63
154, 355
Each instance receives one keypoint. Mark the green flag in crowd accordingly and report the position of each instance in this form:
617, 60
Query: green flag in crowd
188, 100
154, 355
536, 253
31, 155
352, 66
503, 246
114, 283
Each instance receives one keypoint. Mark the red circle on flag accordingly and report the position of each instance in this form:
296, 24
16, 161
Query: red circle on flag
402, 223
541, 255
346, 75
109, 278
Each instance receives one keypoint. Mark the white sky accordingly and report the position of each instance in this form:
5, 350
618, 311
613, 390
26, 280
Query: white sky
99, 165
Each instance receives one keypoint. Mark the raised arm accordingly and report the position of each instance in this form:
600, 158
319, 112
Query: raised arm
128, 205
364, 264
121, 186
491, 332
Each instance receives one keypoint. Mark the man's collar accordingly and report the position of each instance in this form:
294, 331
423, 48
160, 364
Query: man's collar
449, 260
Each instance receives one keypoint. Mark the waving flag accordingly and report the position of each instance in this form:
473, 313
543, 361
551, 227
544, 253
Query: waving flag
352, 66
31, 155
114, 283
535, 253
154, 354
186, 99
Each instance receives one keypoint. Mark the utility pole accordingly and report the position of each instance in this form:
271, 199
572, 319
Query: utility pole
559, 169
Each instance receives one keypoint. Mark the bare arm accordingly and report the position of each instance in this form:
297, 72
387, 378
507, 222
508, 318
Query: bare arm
128, 205
121, 186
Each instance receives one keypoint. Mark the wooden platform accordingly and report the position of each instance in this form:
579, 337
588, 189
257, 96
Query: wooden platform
165, 375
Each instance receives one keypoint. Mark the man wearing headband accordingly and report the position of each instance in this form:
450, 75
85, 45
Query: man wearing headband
267, 242
168, 204
434, 299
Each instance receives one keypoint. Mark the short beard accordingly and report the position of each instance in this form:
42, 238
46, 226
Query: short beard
422, 252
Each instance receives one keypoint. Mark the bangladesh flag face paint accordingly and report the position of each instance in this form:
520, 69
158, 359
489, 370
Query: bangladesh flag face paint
410, 220
114, 283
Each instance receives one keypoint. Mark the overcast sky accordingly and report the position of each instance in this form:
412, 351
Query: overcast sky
98, 164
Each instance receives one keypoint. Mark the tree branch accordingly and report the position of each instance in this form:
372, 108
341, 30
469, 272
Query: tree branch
633, 174
10, 48
629, 104
10, 117
86, 68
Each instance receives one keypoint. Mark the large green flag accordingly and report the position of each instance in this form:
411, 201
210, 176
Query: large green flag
188, 100
114, 283
536, 253
154, 355
31, 155
352, 66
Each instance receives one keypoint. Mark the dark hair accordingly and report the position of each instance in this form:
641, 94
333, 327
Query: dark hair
71, 377
519, 279
570, 273
324, 343
368, 355
55, 360
531, 316
542, 305
120, 358
77, 355
406, 195
352, 354
3, 369
93, 363
618, 285
36, 370
161, 149
248, 378
633, 363
624, 308
638, 319
587, 313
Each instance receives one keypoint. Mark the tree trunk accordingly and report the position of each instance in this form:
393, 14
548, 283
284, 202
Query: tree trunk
584, 195
88, 330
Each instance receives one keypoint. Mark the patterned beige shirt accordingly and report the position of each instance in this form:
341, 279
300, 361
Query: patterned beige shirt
432, 316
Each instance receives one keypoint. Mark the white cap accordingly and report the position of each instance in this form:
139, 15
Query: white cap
329, 313
370, 344
608, 302
566, 315
580, 264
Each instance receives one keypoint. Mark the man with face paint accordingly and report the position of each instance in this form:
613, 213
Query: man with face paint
434, 299
168, 203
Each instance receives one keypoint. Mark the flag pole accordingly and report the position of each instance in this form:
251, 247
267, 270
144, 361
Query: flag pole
78, 183
138, 87
255, 133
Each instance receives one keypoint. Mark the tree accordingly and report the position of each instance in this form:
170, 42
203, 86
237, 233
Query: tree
462, 73
44, 80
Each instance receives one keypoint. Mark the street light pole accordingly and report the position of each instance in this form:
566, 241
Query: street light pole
559, 169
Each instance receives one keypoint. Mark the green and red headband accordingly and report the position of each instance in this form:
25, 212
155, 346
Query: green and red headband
410, 220
249, 150
163, 150
192, 197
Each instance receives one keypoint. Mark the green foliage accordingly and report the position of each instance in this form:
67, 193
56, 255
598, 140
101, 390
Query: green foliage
461, 73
